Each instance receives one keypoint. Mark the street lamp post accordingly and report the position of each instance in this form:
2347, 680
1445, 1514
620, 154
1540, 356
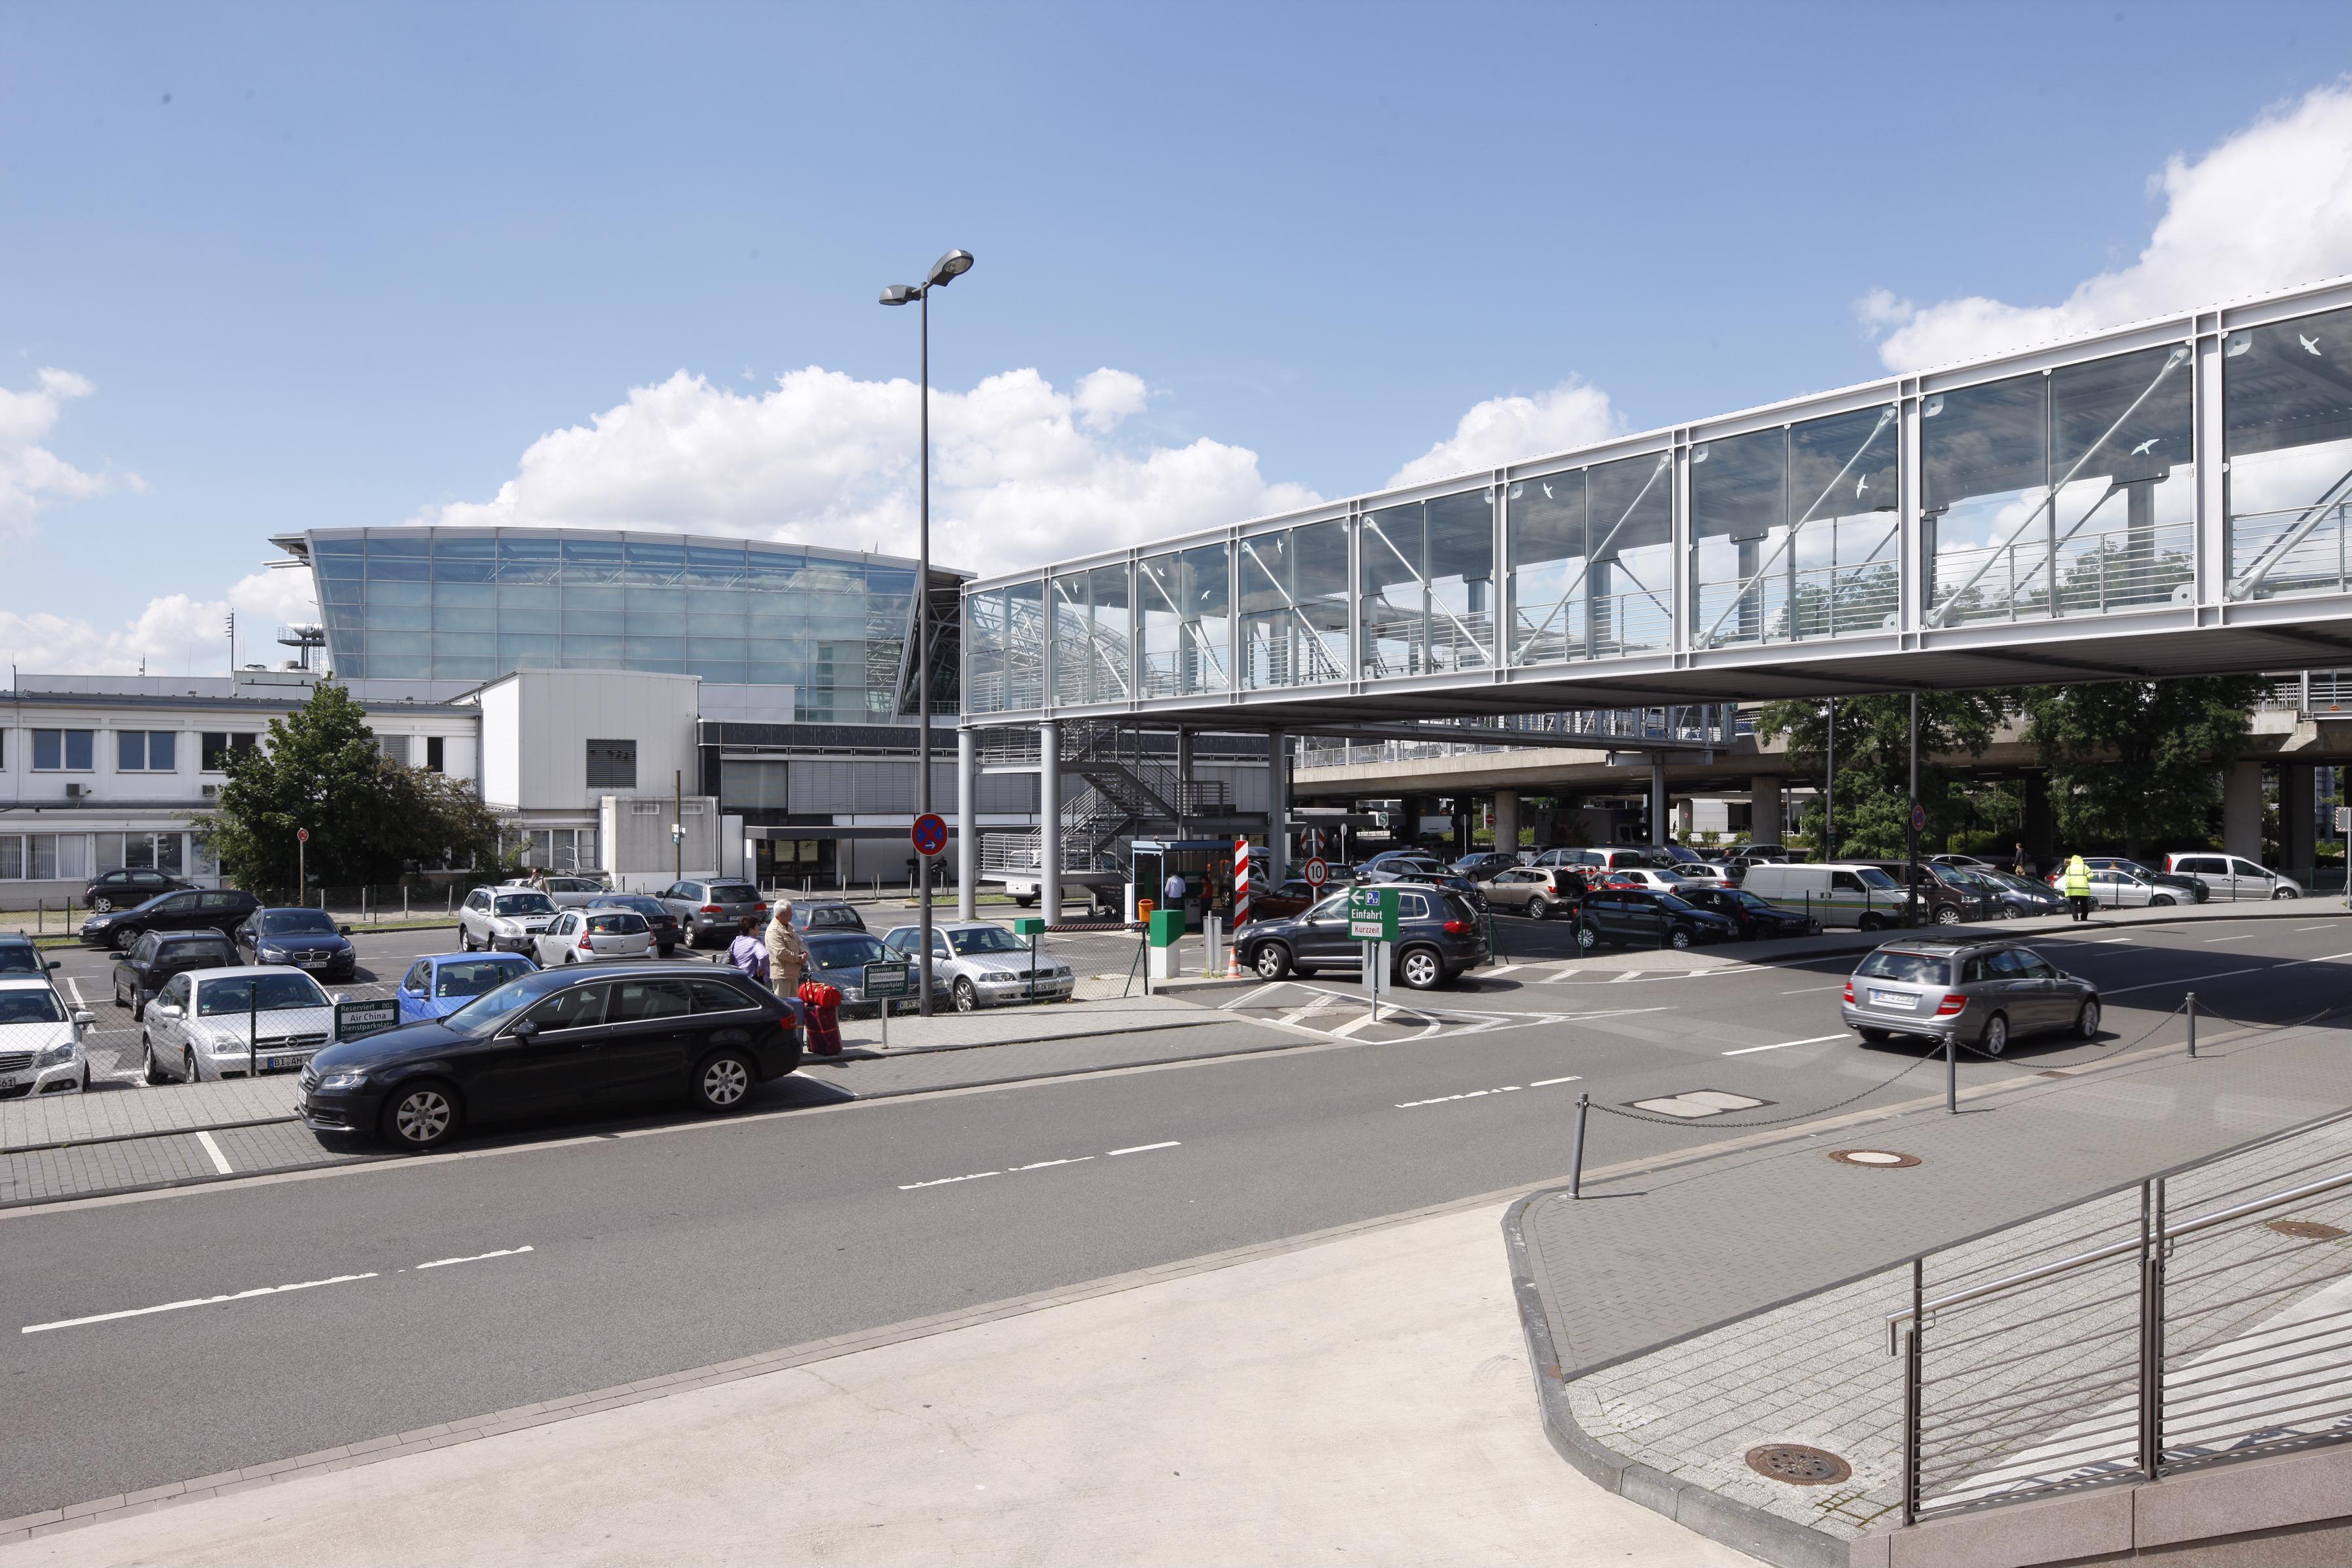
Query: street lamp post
944, 271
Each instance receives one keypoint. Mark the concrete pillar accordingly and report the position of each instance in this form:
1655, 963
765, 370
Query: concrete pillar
1764, 814
1657, 798
1183, 783
2241, 809
2298, 809
966, 825
1049, 819
1506, 821
1277, 810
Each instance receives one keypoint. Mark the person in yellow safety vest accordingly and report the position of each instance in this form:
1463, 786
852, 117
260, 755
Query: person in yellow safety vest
2078, 887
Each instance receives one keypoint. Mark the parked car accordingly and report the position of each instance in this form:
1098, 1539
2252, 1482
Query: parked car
1283, 900
558, 1041
839, 958
1735, 863
664, 925
1945, 897
1982, 994
2191, 890
18, 955
1966, 862
707, 910
1756, 919
1428, 873
1687, 864
1439, 935
567, 892
41, 1048
196, 1027
119, 890
1652, 878
222, 910
1617, 858
587, 936
825, 914
440, 982
1836, 893
2234, 877
505, 920
2112, 889
1539, 892
2018, 898
147, 965
983, 965
1640, 917
306, 939
1477, 868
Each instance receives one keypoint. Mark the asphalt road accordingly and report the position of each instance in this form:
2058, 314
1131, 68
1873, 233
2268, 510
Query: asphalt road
657, 1250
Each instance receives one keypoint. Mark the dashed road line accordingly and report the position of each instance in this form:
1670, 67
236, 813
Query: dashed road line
1547, 1082
1480, 1093
1033, 1165
2241, 936
220, 1160
1146, 1148
198, 1301
2225, 975
476, 1258
1784, 1045
947, 1181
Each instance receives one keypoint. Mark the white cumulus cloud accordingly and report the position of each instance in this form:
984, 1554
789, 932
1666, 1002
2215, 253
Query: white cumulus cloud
2269, 207
30, 474
175, 635
1505, 430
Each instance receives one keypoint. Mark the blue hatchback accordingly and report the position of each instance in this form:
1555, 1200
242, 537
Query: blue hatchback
440, 982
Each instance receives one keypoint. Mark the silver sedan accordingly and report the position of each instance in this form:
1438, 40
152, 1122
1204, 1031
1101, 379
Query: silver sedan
585, 936
1981, 995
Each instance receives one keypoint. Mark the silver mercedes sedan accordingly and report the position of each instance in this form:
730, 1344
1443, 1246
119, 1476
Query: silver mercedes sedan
1980, 993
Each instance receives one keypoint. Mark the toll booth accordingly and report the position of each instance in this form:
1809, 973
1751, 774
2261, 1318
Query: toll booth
1205, 864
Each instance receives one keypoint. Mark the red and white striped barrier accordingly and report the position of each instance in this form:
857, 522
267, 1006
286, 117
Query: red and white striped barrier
1241, 908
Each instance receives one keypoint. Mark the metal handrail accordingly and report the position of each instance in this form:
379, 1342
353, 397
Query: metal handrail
2131, 1247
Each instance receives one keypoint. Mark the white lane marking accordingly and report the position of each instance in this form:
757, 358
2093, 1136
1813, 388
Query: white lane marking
220, 1160
1547, 1082
2225, 975
1041, 1164
944, 1181
2329, 925
199, 1301
1351, 1026
2244, 936
75, 986
1629, 974
1801, 990
1473, 1094
1504, 968
1323, 1000
477, 1257
2110, 941
1147, 1148
1784, 1045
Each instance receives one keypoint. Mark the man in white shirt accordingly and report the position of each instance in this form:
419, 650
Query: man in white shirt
1175, 891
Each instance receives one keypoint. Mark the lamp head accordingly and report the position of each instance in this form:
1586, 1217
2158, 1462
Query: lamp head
901, 294
949, 267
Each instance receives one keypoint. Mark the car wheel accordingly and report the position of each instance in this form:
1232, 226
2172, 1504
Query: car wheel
2011, 913
1874, 922
119, 940
1588, 938
967, 997
2087, 1021
189, 1071
421, 1117
155, 1074
1995, 1038
1270, 960
1538, 909
2163, 901
1420, 969
1680, 937
723, 1082
1876, 1036
139, 1010
2282, 893
464, 940
1948, 916
102, 904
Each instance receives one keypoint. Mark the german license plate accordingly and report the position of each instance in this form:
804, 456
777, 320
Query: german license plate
316, 962
1902, 999
272, 1064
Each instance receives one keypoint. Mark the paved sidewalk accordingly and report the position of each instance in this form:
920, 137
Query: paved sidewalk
1358, 1400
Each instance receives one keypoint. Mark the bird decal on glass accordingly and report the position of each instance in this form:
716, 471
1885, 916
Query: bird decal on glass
2310, 345
2143, 447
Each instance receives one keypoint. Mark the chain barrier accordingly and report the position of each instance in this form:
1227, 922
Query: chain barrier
1711, 1123
2179, 1008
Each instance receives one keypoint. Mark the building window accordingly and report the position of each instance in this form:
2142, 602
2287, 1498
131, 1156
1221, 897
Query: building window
395, 748
152, 852
434, 753
146, 752
40, 857
219, 744
612, 765
62, 750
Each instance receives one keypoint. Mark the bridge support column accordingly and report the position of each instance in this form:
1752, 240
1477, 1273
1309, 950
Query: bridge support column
1184, 786
1764, 814
1277, 812
2298, 807
1507, 821
1049, 820
2241, 809
1658, 798
966, 825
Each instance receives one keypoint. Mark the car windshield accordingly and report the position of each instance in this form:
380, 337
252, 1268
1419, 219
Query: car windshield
1870, 877
258, 993
986, 939
486, 1013
289, 922
19, 958
832, 917
573, 885
31, 1006
195, 954
1751, 900
834, 952
1893, 963
525, 904
733, 893
471, 977
649, 908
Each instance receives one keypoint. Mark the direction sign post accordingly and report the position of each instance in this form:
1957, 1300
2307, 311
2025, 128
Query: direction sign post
301, 868
930, 835
884, 983
1372, 919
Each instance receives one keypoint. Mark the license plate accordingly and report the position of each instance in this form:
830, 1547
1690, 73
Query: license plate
11, 1080
271, 1064
1893, 999
316, 962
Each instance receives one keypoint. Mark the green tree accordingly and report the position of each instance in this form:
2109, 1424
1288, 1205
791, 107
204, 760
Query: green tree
1874, 761
2134, 763
321, 769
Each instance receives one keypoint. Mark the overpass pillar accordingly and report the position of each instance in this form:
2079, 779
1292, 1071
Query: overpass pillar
1277, 812
1506, 821
1183, 782
2241, 809
1049, 819
966, 825
1764, 814
2298, 810
1657, 798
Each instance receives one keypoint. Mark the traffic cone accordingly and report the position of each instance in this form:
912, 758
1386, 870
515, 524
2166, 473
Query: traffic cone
1234, 958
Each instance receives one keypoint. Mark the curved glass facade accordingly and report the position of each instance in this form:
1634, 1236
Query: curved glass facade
462, 604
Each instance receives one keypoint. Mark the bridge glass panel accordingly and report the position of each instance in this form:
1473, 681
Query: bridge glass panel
1629, 589
2286, 398
1184, 608
1025, 645
1548, 542
1427, 578
1294, 607
1795, 531
2066, 493
1092, 658
983, 651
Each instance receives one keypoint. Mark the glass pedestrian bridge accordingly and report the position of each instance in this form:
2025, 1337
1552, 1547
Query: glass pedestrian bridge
2165, 499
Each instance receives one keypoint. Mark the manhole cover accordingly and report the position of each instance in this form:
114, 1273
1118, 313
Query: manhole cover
1878, 1159
1797, 1465
2306, 1229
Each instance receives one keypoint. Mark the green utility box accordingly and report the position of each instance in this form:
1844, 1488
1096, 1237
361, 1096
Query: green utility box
1028, 925
1167, 926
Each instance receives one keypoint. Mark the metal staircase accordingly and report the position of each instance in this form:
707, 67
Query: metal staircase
1129, 793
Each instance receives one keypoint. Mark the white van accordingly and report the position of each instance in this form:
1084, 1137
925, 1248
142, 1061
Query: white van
1622, 857
1838, 893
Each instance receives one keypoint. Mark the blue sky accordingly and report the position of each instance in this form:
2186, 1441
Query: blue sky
341, 264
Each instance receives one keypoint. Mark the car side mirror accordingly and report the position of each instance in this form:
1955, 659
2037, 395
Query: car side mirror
84, 1016
524, 1029
52, 964
343, 930
169, 1009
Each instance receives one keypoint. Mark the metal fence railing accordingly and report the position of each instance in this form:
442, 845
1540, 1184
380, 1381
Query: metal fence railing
2205, 1317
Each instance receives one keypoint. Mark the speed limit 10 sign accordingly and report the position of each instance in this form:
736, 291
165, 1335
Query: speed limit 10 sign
1317, 873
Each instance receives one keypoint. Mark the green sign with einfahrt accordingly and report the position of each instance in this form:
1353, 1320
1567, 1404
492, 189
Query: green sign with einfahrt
1372, 914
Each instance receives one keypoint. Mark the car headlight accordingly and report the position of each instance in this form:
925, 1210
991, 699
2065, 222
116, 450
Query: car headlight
270, 955
338, 1080
55, 1056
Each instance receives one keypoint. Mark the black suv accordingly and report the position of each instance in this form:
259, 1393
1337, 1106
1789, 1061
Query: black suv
1757, 919
150, 962
121, 890
1439, 935
213, 909
1636, 917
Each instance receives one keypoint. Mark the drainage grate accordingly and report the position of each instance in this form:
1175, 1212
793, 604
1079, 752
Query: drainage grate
1797, 1465
1874, 1159
1693, 1104
2306, 1229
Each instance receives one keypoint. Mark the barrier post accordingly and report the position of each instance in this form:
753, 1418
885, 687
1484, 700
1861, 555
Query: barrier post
1576, 1156
1952, 1074
2192, 1005
252, 1028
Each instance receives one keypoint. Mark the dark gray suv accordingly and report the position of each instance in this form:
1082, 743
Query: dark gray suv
1439, 935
